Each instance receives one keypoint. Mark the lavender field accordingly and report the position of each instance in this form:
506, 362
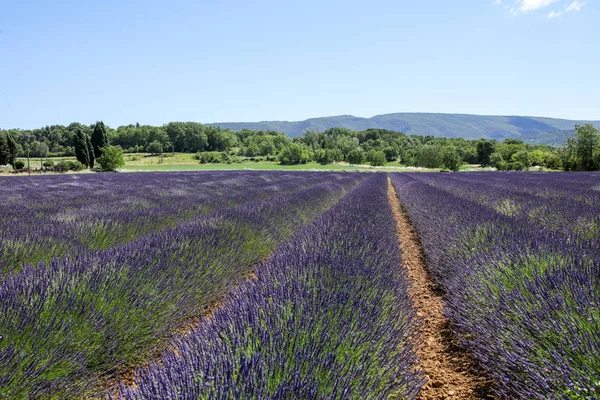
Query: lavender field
292, 285
518, 258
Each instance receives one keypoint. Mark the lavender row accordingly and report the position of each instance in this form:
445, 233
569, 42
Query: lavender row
567, 203
522, 298
72, 322
327, 317
54, 215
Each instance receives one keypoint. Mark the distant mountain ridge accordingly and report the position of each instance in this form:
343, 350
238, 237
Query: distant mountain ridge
542, 130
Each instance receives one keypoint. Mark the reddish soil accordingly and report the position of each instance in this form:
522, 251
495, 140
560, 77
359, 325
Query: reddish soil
449, 371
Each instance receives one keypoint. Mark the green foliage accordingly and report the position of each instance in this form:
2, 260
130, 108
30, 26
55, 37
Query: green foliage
328, 156
520, 160
64, 166
391, 153
586, 146
61, 166
8, 149
356, 157
329, 146
4, 151
99, 139
376, 158
48, 164
294, 154
497, 161
209, 157
430, 156
485, 148
155, 147
545, 158
582, 153
19, 164
90, 150
84, 151
111, 158
451, 159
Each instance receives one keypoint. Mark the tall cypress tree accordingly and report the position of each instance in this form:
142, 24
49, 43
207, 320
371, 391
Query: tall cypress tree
90, 148
4, 150
12, 147
99, 138
81, 147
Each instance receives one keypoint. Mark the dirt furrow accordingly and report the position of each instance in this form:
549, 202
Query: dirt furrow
448, 370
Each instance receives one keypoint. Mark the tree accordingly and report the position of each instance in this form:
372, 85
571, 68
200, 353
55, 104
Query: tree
497, 161
111, 158
294, 154
90, 147
451, 159
356, 157
391, 153
521, 159
82, 150
586, 145
485, 148
8, 149
99, 138
376, 158
430, 156
4, 150
155, 147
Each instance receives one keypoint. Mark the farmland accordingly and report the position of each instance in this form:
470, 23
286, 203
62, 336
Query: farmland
297, 284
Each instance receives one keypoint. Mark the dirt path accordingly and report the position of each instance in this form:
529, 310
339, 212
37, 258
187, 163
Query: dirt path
447, 369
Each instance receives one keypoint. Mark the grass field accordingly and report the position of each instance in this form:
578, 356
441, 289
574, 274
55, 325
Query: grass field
141, 162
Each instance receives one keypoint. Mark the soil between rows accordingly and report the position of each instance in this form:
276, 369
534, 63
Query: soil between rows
449, 371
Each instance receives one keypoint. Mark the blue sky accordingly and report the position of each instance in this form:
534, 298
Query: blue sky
152, 62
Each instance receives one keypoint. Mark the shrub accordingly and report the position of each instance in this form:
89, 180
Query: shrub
430, 156
19, 164
376, 158
76, 166
111, 159
451, 159
356, 157
154, 147
210, 157
48, 164
62, 166
294, 154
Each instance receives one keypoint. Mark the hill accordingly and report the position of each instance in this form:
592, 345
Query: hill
530, 129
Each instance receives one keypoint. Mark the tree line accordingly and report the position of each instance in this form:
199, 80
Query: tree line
371, 146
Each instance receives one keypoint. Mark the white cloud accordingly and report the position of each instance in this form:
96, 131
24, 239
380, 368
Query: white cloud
574, 6
531, 5
525, 6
